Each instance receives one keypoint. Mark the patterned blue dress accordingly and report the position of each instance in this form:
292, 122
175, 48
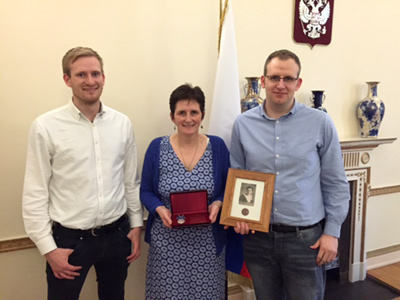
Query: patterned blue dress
182, 263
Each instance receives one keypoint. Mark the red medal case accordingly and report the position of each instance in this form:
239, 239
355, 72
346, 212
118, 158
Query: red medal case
189, 208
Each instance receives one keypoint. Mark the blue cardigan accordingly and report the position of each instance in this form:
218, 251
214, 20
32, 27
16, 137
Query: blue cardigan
151, 199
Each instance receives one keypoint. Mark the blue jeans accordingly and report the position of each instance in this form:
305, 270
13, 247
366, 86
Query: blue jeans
283, 266
107, 253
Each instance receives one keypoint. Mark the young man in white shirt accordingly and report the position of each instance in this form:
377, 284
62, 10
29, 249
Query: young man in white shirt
81, 202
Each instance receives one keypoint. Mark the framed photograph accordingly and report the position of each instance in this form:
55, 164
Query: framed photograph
248, 198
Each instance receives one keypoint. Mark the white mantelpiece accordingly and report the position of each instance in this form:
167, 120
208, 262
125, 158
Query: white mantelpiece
356, 158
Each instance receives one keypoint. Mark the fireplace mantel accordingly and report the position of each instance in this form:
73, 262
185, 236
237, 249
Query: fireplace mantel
356, 160
364, 143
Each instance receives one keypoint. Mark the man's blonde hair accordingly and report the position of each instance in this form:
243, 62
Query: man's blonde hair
73, 54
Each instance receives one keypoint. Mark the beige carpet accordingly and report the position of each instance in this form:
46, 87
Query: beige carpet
388, 276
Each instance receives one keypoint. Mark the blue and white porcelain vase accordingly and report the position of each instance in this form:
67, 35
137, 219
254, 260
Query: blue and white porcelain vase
252, 90
317, 98
370, 112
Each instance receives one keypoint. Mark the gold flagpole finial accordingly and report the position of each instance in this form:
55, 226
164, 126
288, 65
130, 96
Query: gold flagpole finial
221, 20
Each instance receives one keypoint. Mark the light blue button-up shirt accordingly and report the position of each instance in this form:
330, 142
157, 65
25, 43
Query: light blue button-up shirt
302, 149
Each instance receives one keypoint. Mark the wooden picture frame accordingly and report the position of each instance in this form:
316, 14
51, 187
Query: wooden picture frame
248, 198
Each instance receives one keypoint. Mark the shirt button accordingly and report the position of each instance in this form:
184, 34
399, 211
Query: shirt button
277, 122
277, 173
277, 137
277, 155
275, 209
276, 191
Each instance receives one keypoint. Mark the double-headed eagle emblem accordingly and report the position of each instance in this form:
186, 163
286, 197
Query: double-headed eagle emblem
313, 15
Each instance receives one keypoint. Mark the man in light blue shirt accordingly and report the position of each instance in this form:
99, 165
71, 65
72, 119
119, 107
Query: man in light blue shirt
300, 146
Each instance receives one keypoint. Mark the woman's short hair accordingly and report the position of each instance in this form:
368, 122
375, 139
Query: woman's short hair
187, 92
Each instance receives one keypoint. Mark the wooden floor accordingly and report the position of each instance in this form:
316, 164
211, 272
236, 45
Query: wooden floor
367, 289
387, 275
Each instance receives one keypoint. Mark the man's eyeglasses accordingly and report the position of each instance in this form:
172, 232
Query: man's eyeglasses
286, 79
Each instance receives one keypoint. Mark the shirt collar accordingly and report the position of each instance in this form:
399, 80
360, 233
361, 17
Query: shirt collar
77, 114
294, 109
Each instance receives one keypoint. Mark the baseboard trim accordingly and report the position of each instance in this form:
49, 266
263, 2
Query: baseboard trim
383, 257
383, 251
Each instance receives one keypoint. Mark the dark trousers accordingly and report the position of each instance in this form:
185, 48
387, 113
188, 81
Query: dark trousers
283, 266
106, 252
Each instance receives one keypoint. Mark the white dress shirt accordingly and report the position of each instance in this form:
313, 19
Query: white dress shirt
78, 173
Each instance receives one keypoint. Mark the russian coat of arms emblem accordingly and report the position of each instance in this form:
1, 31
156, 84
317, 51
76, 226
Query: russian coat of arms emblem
313, 21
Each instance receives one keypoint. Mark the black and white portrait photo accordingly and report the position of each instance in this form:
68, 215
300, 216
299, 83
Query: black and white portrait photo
247, 195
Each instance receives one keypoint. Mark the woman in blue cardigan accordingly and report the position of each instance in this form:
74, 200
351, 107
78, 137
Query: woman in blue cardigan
188, 262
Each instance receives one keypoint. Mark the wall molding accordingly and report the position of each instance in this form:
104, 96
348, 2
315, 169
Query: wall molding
234, 289
16, 244
26, 243
385, 190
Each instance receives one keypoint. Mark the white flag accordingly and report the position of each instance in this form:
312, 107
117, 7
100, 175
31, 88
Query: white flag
226, 99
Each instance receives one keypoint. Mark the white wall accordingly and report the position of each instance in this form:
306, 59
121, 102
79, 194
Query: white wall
150, 47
